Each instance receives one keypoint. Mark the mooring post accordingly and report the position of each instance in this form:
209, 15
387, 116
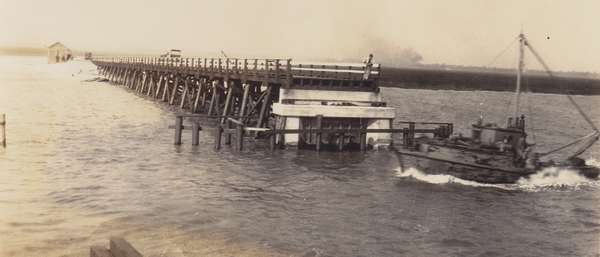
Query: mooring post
228, 133
178, 128
195, 132
3, 125
239, 137
273, 138
319, 126
363, 138
218, 132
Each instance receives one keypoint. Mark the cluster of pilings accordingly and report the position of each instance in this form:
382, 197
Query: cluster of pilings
293, 104
211, 92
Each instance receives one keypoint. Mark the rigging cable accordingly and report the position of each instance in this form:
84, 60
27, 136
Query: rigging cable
503, 51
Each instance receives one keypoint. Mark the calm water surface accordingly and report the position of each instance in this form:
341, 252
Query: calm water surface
86, 160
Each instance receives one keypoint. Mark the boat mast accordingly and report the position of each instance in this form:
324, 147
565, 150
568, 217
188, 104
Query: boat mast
519, 74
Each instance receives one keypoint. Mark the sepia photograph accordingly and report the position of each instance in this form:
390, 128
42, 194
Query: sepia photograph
231, 128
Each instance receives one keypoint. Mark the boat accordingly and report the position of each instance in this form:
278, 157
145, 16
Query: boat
497, 154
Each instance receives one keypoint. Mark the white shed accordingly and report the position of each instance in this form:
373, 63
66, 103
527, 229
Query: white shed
58, 52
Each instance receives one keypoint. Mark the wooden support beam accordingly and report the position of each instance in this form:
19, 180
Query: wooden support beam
174, 90
159, 85
184, 94
263, 108
166, 88
246, 88
197, 98
213, 99
150, 85
205, 89
227, 99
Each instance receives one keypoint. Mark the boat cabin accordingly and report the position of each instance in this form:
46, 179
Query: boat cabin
491, 135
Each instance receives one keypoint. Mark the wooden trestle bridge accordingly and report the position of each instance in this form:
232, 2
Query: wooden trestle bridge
236, 92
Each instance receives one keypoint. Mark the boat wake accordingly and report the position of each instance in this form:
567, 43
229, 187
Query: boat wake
548, 179
438, 178
555, 178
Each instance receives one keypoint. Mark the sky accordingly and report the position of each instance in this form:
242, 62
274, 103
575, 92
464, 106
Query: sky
566, 33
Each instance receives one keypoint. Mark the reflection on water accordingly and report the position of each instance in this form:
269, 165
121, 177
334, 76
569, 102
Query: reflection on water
86, 160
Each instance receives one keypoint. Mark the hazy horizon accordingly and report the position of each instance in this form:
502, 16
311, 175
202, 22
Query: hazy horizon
470, 33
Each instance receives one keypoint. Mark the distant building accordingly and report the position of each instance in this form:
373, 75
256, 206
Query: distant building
58, 52
87, 55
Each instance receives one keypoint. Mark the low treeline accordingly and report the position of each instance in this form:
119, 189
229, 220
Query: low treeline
440, 79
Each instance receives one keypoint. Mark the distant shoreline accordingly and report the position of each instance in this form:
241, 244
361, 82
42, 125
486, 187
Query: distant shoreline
23, 51
438, 79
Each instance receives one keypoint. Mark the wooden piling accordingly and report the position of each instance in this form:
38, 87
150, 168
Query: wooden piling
263, 108
218, 133
228, 134
273, 138
246, 87
184, 94
239, 136
174, 90
319, 126
213, 98
178, 128
198, 95
195, 132
363, 138
227, 99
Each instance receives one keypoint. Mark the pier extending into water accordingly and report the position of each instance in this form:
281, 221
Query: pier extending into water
293, 104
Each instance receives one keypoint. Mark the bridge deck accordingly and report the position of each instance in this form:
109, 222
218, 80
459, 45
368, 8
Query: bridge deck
351, 77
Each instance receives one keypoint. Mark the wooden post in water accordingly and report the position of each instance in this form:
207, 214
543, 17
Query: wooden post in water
273, 138
228, 134
195, 132
363, 138
239, 136
319, 127
218, 132
178, 128
3, 125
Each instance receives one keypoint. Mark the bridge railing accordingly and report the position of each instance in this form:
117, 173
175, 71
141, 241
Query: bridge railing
342, 72
271, 68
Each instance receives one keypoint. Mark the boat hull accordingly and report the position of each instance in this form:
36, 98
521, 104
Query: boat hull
433, 165
465, 172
